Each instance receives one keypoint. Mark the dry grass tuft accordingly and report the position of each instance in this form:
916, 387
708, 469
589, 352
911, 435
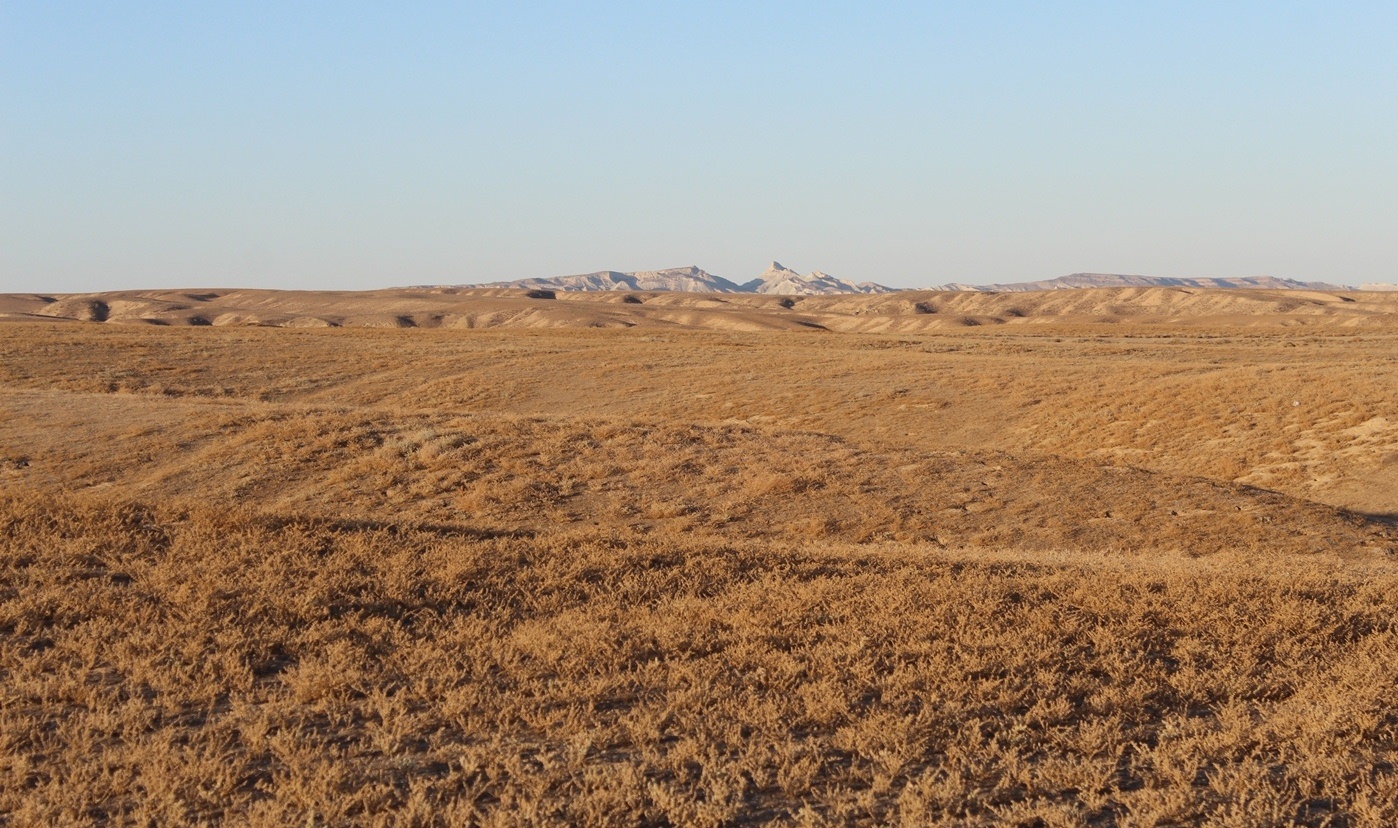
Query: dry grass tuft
189, 667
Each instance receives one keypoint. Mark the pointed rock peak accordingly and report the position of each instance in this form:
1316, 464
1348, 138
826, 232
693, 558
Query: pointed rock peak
778, 267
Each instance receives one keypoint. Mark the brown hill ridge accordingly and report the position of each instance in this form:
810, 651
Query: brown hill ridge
898, 312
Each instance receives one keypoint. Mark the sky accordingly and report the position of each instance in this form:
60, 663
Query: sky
352, 145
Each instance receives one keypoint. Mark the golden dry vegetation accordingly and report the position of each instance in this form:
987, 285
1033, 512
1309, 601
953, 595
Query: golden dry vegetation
1115, 557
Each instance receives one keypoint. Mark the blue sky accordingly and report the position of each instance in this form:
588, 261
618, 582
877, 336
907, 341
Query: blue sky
360, 145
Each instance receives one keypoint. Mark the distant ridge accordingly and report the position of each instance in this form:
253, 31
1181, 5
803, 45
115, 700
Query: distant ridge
777, 279
781, 280
688, 279
1078, 281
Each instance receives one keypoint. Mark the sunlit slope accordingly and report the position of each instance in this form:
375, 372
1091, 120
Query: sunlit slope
538, 474
1309, 414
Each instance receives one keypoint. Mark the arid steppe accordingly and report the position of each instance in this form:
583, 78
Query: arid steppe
419, 557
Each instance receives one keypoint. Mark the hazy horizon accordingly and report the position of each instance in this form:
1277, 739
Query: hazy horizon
260, 146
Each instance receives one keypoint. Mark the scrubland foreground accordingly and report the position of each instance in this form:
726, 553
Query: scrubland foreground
1075, 573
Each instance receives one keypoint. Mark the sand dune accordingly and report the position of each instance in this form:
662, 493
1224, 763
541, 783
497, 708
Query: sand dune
901, 312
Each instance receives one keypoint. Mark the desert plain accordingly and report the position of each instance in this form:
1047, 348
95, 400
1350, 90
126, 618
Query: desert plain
502, 557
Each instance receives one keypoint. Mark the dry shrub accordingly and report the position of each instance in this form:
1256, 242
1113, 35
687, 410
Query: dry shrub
191, 667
